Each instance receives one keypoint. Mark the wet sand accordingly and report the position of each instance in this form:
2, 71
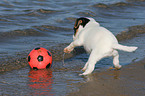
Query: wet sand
129, 81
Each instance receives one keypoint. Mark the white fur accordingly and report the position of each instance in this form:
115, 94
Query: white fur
99, 42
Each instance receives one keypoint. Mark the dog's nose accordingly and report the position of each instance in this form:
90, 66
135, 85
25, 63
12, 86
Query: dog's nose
75, 30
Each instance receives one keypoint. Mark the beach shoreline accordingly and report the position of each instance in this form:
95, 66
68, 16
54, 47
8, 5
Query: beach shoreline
129, 81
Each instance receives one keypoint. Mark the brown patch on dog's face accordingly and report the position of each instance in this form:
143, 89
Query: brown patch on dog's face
80, 21
76, 30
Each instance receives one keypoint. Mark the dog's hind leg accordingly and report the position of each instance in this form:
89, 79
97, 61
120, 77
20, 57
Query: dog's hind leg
90, 65
85, 67
116, 59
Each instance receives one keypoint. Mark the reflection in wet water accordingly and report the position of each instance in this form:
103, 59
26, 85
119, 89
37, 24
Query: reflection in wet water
40, 82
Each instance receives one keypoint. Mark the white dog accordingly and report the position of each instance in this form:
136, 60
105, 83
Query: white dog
96, 40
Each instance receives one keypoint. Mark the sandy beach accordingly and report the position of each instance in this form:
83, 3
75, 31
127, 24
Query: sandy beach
129, 81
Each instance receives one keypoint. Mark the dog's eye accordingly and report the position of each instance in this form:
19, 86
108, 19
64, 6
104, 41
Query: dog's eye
80, 22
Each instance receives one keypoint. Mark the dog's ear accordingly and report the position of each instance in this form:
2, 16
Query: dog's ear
80, 21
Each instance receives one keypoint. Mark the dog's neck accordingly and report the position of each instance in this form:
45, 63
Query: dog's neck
92, 23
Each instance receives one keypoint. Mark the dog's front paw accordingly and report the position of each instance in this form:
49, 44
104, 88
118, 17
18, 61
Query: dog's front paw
67, 50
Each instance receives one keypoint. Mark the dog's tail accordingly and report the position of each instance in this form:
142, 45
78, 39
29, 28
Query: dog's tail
124, 48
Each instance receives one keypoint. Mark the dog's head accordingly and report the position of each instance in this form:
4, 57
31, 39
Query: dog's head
80, 23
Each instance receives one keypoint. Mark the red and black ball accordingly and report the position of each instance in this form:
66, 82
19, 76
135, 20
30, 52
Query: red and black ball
40, 58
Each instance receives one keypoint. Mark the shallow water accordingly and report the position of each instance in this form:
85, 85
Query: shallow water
26, 24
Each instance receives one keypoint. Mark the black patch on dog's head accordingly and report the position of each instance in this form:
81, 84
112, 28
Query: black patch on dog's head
80, 21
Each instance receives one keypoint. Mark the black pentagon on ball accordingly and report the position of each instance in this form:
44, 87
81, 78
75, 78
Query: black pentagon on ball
35, 68
37, 48
48, 65
29, 58
49, 53
40, 58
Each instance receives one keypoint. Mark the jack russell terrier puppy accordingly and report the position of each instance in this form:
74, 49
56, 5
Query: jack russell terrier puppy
96, 40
